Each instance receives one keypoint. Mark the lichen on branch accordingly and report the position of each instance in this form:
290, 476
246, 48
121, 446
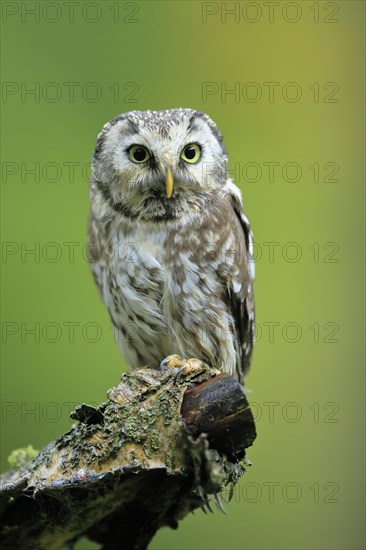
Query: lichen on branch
134, 464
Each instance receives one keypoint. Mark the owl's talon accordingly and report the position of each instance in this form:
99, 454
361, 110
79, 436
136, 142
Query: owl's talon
172, 361
193, 366
183, 370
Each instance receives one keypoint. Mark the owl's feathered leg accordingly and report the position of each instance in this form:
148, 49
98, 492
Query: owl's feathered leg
187, 367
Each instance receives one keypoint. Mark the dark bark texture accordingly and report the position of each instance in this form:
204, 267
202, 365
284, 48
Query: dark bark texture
154, 451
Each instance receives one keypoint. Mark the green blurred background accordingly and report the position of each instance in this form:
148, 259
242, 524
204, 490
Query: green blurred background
305, 489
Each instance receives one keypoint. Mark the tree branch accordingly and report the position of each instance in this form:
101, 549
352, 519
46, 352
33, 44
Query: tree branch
154, 451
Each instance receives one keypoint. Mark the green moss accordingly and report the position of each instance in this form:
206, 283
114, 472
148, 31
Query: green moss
134, 429
154, 440
19, 457
170, 462
121, 423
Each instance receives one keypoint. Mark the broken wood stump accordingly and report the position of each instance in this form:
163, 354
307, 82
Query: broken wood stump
153, 452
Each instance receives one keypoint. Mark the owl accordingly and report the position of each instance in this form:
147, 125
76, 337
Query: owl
170, 246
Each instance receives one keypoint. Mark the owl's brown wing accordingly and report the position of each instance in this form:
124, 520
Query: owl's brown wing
240, 289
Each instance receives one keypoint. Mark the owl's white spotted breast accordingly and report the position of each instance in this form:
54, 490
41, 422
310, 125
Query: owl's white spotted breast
163, 289
131, 275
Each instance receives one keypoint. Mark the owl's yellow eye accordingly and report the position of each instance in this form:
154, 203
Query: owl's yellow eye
191, 153
139, 154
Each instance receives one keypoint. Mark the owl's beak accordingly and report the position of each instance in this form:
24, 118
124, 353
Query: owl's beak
169, 183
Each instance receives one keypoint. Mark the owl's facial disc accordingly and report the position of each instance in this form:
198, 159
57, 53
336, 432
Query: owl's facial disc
156, 164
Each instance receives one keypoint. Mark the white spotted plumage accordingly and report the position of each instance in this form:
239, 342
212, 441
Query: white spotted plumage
175, 273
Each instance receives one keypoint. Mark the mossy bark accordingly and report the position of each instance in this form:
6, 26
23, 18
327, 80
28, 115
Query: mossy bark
134, 464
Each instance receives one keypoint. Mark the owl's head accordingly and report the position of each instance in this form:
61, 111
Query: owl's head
157, 165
